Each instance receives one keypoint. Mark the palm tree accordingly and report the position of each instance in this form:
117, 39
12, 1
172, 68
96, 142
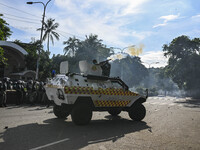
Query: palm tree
49, 29
72, 45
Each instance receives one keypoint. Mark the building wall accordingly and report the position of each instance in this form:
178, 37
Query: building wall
15, 55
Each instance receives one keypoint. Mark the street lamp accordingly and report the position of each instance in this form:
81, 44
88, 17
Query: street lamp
151, 63
122, 51
38, 59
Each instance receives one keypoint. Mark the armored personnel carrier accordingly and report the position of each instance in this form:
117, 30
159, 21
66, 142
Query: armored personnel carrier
80, 94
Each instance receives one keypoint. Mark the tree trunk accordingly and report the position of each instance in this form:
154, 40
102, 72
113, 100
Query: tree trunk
48, 43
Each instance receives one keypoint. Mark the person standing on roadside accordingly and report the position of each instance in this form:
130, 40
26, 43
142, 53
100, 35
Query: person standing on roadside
1, 94
4, 90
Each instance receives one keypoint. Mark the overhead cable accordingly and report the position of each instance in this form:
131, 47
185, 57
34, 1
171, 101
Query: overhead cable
19, 16
19, 10
20, 20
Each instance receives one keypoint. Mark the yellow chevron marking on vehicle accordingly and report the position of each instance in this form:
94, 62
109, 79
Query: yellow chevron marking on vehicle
111, 103
100, 91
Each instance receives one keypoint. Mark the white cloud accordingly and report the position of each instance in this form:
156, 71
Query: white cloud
105, 20
117, 7
154, 59
196, 16
169, 17
160, 25
118, 23
141, 35
166, 20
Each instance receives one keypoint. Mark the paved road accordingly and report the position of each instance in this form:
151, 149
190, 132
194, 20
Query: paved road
170, 123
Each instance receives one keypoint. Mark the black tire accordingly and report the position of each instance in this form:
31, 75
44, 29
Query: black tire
59, 112
81, 114
114, 112
137, 112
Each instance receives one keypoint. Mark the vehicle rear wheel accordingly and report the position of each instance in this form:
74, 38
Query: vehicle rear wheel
137, 112
59, 112
81, 114
114, 112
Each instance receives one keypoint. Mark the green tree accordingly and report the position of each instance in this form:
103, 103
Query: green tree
45, 65
183, 65
5, 31
72, 46
56, 60
50, 31
31, 58
3, 60
130, 70
91, 48
31, 49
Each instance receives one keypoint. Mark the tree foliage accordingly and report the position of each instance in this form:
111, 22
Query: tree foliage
183, 65
92, 48
89, 49
72, 46
3, 60
50, 31
45, 66
130, 69
5, 31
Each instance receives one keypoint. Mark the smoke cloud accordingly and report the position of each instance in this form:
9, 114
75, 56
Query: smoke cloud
118, 56
131, 51
135, 51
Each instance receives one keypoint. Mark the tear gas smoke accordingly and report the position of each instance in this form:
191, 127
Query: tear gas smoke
132, 51
118, 56
135, 51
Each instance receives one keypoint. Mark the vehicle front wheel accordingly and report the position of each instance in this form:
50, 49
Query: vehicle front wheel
137, 112
59, 112
81, 114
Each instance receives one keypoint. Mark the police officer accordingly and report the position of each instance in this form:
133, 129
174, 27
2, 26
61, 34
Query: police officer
9, 83
29, 91
18, 92
53, 73
40, 91
105, 66
33, 92
1, 94
24, 91
4, 90
36, 91
45, 99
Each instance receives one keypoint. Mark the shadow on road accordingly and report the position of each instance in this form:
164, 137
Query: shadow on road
35, 106
191, 103
35, 135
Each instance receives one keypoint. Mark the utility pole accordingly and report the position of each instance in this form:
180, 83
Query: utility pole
41, 34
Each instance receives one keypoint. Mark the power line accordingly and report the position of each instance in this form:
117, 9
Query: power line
23, 28
21, 20
19, 17
48, 10
71, 34
18, 10
63, 35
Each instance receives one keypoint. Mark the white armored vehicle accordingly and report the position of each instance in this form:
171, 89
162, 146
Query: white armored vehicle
81, 94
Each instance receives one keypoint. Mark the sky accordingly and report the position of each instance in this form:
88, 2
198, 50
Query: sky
119, 23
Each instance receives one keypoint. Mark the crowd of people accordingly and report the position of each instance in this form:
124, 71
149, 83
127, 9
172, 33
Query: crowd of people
30, 92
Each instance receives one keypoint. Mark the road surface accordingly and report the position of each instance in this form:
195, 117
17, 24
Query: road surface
170, 123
